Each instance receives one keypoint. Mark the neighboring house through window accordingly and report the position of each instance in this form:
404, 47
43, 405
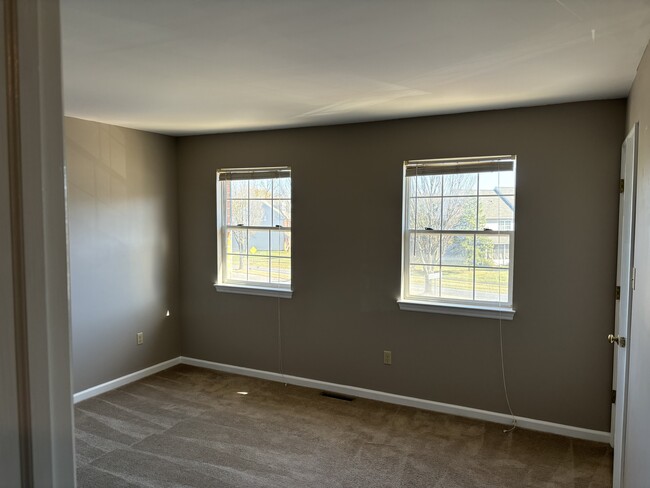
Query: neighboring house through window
458, 237
254, 231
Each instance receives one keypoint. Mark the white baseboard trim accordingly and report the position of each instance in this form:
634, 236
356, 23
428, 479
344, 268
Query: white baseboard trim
124, 380
474, 413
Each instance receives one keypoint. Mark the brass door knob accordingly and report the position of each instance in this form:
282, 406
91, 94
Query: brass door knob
616, 339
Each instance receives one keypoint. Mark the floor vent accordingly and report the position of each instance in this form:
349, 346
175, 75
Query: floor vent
336, 396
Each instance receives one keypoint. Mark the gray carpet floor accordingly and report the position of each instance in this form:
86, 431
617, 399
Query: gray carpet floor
189, 427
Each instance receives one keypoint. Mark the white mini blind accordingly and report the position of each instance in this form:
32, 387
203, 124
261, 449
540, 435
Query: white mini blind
233, 174
425, 167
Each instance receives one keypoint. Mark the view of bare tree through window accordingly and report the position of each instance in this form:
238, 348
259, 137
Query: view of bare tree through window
256, 214
458, 231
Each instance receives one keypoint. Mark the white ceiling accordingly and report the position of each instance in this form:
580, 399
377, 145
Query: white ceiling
202, 66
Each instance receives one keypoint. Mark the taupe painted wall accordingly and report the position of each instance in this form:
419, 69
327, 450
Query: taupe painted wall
122, 208
637, 469
347, 223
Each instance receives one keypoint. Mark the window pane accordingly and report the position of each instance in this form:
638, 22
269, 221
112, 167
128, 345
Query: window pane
457, 283
492, 285
235, 189
459, 213
424, 212
260, 213
261, 188
258, 269
236, 212
449, 260
457, 249
248, 212
504, 181
460, 184
236, 242
424, 248
282, 188
280, 270
258, 242
496, 213
425, 186
237, 268
282, 213
281, 243
493, 251
424, 281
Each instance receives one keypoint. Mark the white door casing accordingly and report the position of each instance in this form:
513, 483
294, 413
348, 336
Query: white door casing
36, 439
9, 431
624, 306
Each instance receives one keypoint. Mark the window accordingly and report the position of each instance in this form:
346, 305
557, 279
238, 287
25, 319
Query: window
458, 241
254, 231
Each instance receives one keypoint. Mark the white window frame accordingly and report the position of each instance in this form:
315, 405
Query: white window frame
452, 306
281, 290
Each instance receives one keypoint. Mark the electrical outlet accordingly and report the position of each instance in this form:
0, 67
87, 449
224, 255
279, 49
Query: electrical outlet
140, 336
388, 357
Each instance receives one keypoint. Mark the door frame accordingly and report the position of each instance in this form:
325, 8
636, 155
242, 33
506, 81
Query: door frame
9, 431
35, 332
625, 277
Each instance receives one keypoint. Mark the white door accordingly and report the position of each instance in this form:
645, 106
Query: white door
624, 306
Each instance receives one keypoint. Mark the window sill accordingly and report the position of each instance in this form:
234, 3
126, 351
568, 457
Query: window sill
503, 313
254, 290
